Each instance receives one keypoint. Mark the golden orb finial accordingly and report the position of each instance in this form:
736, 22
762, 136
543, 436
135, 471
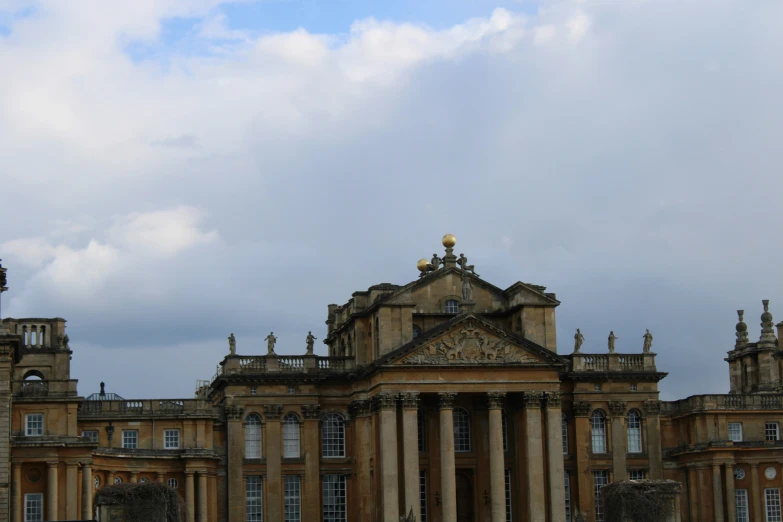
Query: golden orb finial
422, 264
449, 241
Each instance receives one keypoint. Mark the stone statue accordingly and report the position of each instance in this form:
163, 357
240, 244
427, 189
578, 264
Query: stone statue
463, 263
612, 339
270, 343
435, 263
232, 344
578, 340
310, 341
648, 338
409, 518
467, 290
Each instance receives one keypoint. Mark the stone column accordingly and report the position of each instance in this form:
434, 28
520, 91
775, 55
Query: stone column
203, 515
554, 449
653, 443
584, 480
717, 494
134, 478
51, 490
18, 509
497, 470
274, 462
693, 493
756, 507
448, 477
387, 407
190, 494
410, 451
534, 447
619, 441
109, 479
160, 477
236, 458
311, 510
731, 498
363, 442
87, 487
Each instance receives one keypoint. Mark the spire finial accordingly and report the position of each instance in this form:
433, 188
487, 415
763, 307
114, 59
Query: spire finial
767, 339
742, 331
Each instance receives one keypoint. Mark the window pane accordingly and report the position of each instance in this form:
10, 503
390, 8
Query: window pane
636, 474
171, 439
565, 434
252, 436
423, 494
634, 422
600, 479
34, 424
742, 505
334, 498
130, 439
254, 508
598, 432
772, 501
735, 431
771, 431
508, 495
292, 499
332, 435
461, 430
452, 306
291, 436
33, 507
567, 495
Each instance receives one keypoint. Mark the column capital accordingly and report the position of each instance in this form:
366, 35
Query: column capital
554, 400
52, 464
582, 408
446, 400
360, 408
652, 407
754, 465
495, 400
532, 399
410, 401
273, 411
234, 413
311, 411
190, 472
617, 408
386, 401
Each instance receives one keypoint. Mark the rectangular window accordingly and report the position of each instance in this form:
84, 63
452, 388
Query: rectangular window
567, 490
633, 387
254, 504
742, 505
508, 495
423, 494
772, 503
600, 479
90, 434
292, 499
597, 387
171, 439
33, 424
253, 390
564, 429
130, 439
735, 431
335, 506
636, 474
772, 431
33, 507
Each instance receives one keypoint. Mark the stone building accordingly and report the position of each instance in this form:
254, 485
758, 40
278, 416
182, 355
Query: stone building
446, 397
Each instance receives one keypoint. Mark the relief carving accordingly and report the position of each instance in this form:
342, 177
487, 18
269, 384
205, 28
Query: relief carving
582, 408
470, 345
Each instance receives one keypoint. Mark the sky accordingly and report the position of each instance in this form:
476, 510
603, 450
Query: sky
177, 170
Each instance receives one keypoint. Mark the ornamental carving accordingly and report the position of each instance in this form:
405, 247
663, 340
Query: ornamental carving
582, 408
410, 401
495, 400
386, 401
234, 412
446, 400
617, 408
652, 407
554, 400
273, 411
469, 345
360, 408
311, 411
532, 399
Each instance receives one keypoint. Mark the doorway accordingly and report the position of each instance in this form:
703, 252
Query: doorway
465, 496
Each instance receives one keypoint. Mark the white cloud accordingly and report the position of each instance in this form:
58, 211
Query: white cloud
166, 232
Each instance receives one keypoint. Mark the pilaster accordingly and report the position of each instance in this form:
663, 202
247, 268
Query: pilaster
496, 458
731, 499
236, 457
360, 411
584, 480
387, 412
555, 460
619, 440
448, 478
72, 491
51, 492
717, 494
652, 410
274, 462
535, 455
311, 499
410, 448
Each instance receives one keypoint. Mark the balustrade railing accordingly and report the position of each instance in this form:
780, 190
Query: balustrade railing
596, 362
35, 388
631, 362
290, 363
723, 402
145, 407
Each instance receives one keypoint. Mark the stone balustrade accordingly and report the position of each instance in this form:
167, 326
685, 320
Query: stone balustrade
145, 408
612, 362
263, 364
723, 402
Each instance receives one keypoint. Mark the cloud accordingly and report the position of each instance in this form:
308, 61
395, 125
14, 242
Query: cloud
241, 180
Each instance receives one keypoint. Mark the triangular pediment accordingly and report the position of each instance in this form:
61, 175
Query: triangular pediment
471, 340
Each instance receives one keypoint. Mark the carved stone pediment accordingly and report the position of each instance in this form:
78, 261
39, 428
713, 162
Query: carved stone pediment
469, 344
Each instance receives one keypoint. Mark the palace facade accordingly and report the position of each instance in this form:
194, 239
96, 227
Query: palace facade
445, 397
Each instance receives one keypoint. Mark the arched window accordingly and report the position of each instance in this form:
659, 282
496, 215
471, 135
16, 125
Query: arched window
461, 430
416, 331
564, 429
598, 431
634, 424
452, 306
253, 436
333, 435
291, 436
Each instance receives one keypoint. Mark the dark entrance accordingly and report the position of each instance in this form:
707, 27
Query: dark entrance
465, 496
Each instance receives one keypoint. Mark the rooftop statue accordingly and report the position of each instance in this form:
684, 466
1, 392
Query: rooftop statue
648, 338
232, 344
270, 343
612, 339
579, 339
310, 341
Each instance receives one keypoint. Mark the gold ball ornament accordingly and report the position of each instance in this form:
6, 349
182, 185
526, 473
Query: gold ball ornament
422, 264
449, 241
